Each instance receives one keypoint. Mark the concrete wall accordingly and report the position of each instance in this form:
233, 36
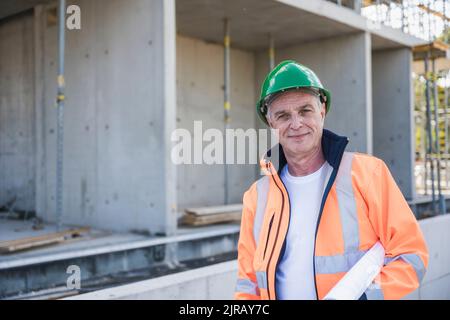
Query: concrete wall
17, 160
218, 281
119, 113
436, 283
343, 64
200, 98
393, 134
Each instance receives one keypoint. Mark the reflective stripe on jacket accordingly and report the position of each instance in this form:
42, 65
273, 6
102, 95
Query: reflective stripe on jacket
361, 204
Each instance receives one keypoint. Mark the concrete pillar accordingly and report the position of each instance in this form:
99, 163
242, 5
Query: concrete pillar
343, 64
393, 126
168, 107
119, 116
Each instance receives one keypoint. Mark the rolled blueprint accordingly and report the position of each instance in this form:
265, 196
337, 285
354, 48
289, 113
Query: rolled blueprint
360, 276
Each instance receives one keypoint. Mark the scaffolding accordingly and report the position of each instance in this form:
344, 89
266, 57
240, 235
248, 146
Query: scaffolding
432, 123
431, 105
421, 18
427, 20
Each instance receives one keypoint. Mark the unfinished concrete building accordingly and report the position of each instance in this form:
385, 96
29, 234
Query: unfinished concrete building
139, 69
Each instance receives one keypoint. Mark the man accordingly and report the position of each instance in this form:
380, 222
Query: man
307, 222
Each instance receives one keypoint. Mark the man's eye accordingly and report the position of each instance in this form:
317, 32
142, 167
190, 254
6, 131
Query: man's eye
283, 117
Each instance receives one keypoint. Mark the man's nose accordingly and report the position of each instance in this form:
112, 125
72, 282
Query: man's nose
296, 122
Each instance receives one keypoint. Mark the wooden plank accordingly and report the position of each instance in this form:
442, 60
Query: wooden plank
195, 220
435, 45
27, 245
215, 209
437, 49
46, 239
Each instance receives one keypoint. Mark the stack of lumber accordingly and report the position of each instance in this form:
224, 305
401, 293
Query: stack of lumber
211, 215
10, 246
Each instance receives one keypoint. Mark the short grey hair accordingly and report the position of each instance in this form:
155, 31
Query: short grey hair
272, 97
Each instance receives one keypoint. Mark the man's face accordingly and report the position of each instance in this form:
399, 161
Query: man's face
299, 117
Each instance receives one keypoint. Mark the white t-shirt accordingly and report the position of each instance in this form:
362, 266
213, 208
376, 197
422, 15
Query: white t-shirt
295, 273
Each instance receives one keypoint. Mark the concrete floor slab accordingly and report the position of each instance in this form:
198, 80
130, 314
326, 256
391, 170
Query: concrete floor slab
96, 242
252, 20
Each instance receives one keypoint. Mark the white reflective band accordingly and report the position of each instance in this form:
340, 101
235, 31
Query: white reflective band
347, 204
247, 286
261, 277
337, 263
414, 260
262, 188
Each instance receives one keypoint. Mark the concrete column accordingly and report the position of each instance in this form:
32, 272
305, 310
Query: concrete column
169, 107
393, 126
343, 64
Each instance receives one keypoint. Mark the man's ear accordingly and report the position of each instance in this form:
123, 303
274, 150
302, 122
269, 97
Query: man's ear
323, 110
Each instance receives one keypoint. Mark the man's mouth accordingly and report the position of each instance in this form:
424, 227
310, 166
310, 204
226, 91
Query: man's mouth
298, 135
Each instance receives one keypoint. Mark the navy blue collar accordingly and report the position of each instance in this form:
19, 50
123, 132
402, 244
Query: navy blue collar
333, 147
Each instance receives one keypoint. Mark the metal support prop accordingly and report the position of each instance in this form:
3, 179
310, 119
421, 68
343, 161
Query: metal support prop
447, 152
403, 16
226, 105
428, 125
60, 114
436, 141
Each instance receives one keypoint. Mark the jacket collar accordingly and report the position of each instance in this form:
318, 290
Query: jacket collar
333, 147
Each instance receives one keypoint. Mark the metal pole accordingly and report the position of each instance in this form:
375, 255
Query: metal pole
226, 105
430, 138
424, 151
60, 117
447, 152
271, 52
420, 16
423, 141
437, 144
403, 16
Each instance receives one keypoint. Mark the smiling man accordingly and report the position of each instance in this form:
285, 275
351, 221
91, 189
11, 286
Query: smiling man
311, 218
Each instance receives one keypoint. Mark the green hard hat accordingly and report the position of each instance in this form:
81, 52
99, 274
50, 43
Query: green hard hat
288, 75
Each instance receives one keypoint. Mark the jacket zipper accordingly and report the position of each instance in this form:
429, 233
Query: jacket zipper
268, 235
287, 231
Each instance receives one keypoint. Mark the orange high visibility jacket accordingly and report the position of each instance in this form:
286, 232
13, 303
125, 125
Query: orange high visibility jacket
361, 205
